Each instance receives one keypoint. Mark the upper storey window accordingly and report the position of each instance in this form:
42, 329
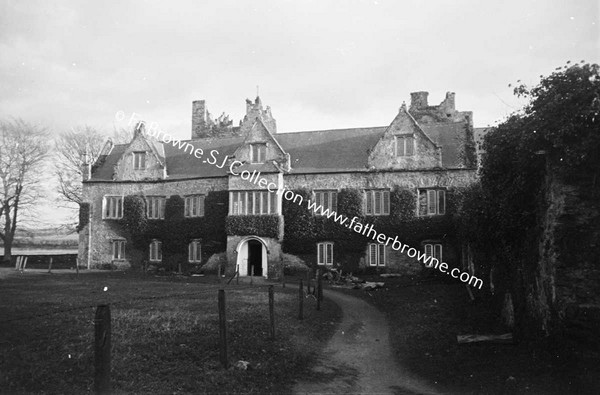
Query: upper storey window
327, 200
252, 203
377, 202
404, 145
139, 161
259, 153
432, 202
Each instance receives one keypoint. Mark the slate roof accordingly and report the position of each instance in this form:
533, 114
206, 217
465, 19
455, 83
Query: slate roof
451, 137
311, 152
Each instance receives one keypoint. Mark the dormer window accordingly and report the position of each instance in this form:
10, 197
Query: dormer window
404, 145
139, 161
259, 153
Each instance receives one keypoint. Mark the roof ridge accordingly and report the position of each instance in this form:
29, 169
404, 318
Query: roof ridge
332, 130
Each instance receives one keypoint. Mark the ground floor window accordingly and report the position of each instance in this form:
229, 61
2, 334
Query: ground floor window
325, 253
433, 250
118, 249
155, 251
377, 255
194, 252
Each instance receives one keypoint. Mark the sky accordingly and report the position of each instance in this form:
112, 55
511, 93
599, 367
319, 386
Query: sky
318, 64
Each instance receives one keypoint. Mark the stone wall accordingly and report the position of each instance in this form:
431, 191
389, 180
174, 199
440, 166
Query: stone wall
426, 156
102, 231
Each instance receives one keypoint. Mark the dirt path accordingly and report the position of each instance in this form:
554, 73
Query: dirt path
358, 358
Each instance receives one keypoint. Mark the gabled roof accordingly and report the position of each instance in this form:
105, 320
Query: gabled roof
324, 151
451, 137
330, 150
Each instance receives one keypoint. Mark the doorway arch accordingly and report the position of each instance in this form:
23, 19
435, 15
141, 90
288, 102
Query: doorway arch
252, 256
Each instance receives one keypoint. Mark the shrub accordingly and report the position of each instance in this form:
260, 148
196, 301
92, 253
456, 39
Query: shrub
293, 265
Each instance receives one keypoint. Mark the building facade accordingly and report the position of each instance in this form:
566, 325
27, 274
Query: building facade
243, 192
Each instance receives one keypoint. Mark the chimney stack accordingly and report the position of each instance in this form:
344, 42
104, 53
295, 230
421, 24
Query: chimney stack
198, 118
418, 100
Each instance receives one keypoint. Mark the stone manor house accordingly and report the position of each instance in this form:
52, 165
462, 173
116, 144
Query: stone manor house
196, 209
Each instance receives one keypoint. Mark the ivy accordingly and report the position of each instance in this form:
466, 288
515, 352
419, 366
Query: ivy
176, 231
259, 225
84, 216
303, 230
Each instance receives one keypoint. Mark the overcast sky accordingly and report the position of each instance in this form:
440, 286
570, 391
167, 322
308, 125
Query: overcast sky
318, 64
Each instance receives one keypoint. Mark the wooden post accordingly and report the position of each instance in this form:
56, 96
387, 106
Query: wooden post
102, 349
17, 262
251, 275
223, 329
219, 274
308, 281
300, 301
77, 266
272, 310
237, 277
24, 264
50, 266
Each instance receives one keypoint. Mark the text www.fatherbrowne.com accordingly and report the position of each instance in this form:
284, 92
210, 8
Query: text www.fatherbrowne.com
358, 227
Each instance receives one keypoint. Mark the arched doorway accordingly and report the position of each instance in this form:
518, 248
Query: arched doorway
252, 257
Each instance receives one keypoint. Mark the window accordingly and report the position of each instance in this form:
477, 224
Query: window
112, 207
327, 200
325, 253
259, 153
433, 250
404, 145
194, 206
155, 251
155, 207
432, 202
252, 203
118, 249
194, 252
377, 254
377, 202
139, 161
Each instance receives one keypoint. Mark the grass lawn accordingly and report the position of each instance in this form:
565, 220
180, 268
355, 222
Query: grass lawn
165, 336
425, 318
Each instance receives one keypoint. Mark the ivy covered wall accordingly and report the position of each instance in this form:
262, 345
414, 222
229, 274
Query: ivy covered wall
176, 231
303, 230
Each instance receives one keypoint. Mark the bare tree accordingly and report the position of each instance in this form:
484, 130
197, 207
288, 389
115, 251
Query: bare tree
23, 149
73, 148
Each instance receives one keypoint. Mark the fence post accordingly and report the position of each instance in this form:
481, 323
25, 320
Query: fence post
272, 310
219, 274
50, 266
223, 329
102, 349
300, 301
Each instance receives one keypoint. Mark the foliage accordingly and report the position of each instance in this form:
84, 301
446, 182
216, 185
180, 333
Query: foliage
84, 216
259, 225
134, 219
303, 230
563, 116
176, 231
557, 134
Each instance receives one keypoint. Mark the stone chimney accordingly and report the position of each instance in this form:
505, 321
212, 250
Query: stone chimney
255, 110
86, 167
418, 100
448, 105
199, 123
